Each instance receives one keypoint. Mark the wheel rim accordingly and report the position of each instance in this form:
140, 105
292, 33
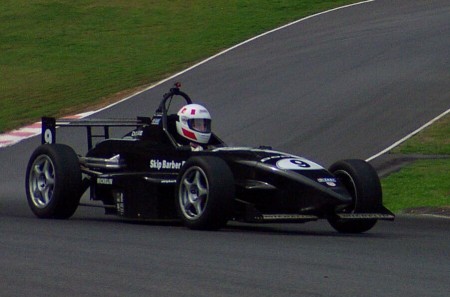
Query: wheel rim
193, 193
350, 185
42, 181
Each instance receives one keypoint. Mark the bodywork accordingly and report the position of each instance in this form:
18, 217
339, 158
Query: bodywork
135, 176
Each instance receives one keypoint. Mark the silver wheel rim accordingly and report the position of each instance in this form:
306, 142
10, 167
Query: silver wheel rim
193, 193
41, 181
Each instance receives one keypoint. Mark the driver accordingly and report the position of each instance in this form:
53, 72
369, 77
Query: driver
194, 124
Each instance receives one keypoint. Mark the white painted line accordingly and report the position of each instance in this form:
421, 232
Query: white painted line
409, 135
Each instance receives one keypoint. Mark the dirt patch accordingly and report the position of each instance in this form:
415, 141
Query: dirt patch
438, 211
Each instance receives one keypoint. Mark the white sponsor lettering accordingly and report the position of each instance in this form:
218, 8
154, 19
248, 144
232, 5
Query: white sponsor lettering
328, 180
120, 205
104, 181
169, 181
137, 133
165, 164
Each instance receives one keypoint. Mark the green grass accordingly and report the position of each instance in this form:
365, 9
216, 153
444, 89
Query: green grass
425, 183
435, 140
61, 56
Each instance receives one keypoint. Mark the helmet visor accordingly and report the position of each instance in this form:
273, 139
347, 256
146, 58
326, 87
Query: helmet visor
200, 125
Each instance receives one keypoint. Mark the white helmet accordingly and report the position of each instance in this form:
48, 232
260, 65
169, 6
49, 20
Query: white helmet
194, 123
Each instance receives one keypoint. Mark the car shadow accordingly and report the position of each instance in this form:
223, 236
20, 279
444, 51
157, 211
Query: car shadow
298, 230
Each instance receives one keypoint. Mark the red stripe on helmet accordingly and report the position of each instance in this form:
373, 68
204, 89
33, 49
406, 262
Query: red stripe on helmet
192, 111
189, 134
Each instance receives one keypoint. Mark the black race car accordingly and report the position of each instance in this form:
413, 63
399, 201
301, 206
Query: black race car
152, 174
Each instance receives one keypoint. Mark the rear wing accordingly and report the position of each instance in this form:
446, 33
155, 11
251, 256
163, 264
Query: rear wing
50, 124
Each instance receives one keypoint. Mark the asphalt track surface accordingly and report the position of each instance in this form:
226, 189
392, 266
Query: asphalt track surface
343, 84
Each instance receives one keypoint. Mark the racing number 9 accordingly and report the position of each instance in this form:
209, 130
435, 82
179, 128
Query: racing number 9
300, 163
48, 136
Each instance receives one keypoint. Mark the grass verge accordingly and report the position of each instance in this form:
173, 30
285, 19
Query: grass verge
424, 183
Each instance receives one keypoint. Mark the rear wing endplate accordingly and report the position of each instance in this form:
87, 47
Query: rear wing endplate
50, 124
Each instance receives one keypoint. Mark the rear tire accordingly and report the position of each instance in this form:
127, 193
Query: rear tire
362, 182
205, 193
53, 181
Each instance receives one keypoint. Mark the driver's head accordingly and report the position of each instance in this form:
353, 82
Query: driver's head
194, 123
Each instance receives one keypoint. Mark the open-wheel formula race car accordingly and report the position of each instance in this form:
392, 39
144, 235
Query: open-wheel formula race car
152, 173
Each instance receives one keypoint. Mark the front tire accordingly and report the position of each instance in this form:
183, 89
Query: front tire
53, 181
362, 182
205, 192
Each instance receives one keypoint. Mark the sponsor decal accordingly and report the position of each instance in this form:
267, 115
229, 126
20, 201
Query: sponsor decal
169, 181
104, 181
156, 121
166, 164
137, 133
120, 205
328, 180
